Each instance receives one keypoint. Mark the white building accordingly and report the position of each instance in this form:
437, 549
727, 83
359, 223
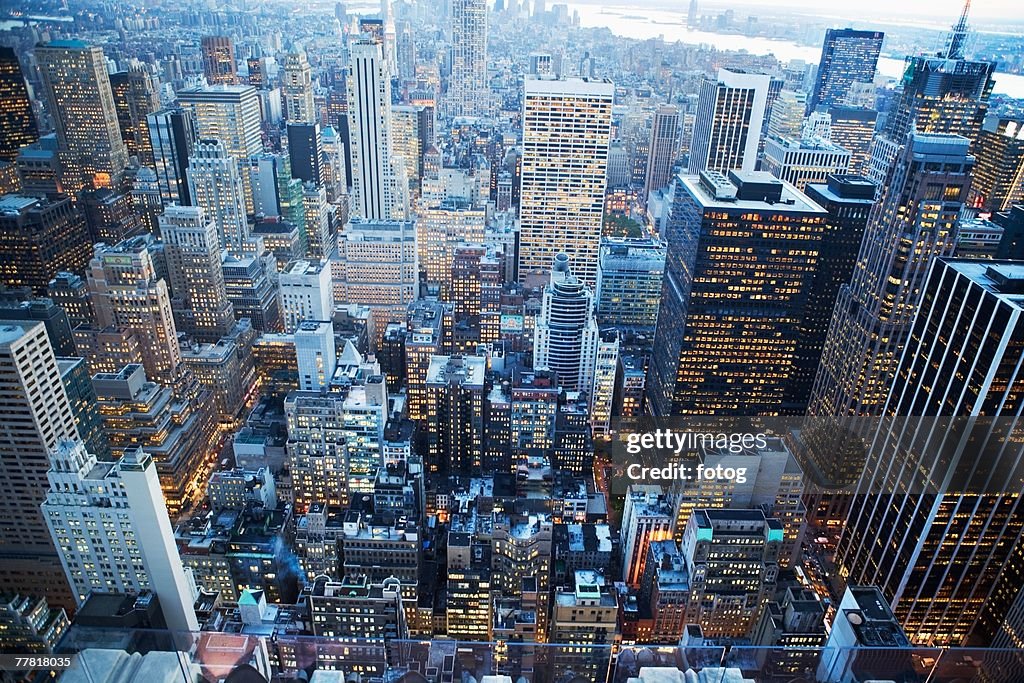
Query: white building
566, 133
305, 290
297, 87
215, 184
602, 394
566, 335
316, 354
646, 517
468, 93
727, 129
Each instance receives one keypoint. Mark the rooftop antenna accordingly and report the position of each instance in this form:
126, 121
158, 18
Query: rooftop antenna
958, 37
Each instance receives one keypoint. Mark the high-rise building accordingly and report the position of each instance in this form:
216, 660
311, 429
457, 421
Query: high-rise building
379, 187
40, 238
215, 185
786, 119
17, 122
439, 230
219, 60
135, 98
601, 392
427, 326
74, 374
731, 111
733, 240
412, 133
848, 56
455, 414
192, 249
305, 152
646, 518
230, 114
566, 334
36, 420
127, 294
914, 221
297, 88
318, 219
70, 292
81, 103
247, 279
468, 91
172, 136
943, 513
566, 133
376, 266
848, 199
663, 146
306, 293
629, 276
316, 354
30, 624
732, 557
804, 161
999, 174
853, 129
584, 614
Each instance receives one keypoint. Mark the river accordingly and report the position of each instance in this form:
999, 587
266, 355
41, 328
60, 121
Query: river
648, 23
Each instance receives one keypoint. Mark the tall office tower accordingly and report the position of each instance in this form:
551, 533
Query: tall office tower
565, 335
247, 279
735, 359
135, 98
800, 162
316, 354
335, 441
219, 60
411, 136
18, 306
70, 292
999, 173
81, 104
38, 239
128, 294
787, 115
664, 145
405, 48
566, 133
192, 248
732, 557
306, 293
297, 88
173, 134
629, 276
376, 266
848, 199
853, 129
943, 516
439, 230
306, 152
110, 215
320, 238
646, 518
426, 337
521, 563
17, 122
37, 417
379, 187
215, 185
230, 114
848, 56
256, 72
665, 591
74, 374
940, 94
914, 221
455, 414
602, 390
468, 91
727, 129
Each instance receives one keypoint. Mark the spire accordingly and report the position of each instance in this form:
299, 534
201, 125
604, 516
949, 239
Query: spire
958, 36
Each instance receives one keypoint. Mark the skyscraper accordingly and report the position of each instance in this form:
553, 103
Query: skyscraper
297, 87
81, 103
215, 185
439, 230
999, 175
173, 134
727, 129
742, 253
566, 335
17, 122
629, 277
135, 98
219, 60
468, 92
230, 114
941, 510
914, 221
853, 129
848, 56
663, 147
192, 248
566, 133
305, 152
379, 187
804, 161
38, 239
35, 422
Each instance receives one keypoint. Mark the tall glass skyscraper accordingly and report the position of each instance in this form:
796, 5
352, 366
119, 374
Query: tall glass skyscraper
848, 56
17, 122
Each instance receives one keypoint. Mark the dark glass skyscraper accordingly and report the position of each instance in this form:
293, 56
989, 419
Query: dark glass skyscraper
17, 123
848, 56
